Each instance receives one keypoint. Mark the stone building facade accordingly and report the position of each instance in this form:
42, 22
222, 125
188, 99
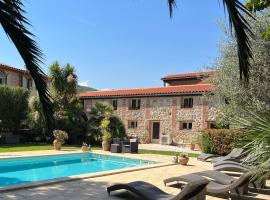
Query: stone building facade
178, 111
12, 76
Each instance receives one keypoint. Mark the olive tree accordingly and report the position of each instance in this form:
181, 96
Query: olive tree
234, 97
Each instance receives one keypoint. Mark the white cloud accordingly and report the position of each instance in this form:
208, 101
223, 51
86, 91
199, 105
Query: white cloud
84, 83
82, 20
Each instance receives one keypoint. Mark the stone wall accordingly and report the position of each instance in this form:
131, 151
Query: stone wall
167, 111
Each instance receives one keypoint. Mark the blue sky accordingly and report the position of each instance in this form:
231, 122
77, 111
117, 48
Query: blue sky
122, 43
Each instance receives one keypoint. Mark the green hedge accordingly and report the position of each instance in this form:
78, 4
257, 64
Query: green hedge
220, 141
13, 107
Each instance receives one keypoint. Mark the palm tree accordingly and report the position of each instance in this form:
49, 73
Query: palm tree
14, 24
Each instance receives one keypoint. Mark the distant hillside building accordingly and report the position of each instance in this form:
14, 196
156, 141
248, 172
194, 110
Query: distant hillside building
175, 113
12, 76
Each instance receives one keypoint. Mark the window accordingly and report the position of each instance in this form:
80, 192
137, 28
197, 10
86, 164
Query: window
21, 80
185, 125
211, 125
3, 78
29, 84
135, 104
132, 124
114, 104
187, 102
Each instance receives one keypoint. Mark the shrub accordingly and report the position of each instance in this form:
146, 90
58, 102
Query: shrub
117, 127
61, 136
13, 107
207, 143
106, 136
220, 141
101, 117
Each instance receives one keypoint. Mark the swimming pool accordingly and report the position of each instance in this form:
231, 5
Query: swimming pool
39, 168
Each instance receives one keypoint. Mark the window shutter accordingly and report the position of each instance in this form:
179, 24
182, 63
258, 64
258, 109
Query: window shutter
139, 104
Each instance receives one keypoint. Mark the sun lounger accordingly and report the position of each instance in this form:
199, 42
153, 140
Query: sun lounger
194, 190
227, 186
206, 156
235, 155
232, 168
230, 162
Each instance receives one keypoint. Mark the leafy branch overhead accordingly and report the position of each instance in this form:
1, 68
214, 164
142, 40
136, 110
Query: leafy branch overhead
259, 5
236, 11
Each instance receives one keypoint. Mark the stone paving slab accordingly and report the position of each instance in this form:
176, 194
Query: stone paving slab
159, 147
95, 188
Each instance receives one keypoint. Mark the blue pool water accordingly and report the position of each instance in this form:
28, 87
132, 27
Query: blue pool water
39, 168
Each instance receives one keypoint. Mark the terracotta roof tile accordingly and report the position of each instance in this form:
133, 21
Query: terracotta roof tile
187, 75
182, 89
8, 67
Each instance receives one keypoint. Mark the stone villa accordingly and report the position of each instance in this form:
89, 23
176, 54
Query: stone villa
16, 77
174, 113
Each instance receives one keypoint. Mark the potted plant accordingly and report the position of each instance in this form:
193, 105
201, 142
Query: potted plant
198, 142
191, 146
183, 158
106, 138
59, 138
85, 147
175, 158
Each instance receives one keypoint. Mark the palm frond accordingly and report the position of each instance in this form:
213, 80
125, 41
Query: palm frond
14, 24
242, 33
256, 143
236, 11
172, 6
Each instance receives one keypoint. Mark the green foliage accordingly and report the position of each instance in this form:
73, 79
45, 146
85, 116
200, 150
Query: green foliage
266, 34
117, 128
106, 136
257, 5
220, 141
232, 97
257, 143
101, 120
60, 136
64, 79
37, 120
68, 110
13, 107
207, 144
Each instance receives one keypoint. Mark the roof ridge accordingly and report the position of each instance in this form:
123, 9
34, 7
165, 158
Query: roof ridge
174, 86
181, 89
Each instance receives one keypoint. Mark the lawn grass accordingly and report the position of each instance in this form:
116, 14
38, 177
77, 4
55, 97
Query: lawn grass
167, 153
34, 147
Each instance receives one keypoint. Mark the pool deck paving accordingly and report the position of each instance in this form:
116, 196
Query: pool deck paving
95, 188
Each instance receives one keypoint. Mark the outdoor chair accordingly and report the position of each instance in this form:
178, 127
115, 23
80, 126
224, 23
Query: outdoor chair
130, 146
220, 185
231, 166
235, 155
194, 190
116, 146
206, 156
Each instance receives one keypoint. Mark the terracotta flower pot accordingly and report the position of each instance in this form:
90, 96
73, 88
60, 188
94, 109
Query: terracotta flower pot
57, 145
183, 160
192, 147
105, 146
84, 148
198, 146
